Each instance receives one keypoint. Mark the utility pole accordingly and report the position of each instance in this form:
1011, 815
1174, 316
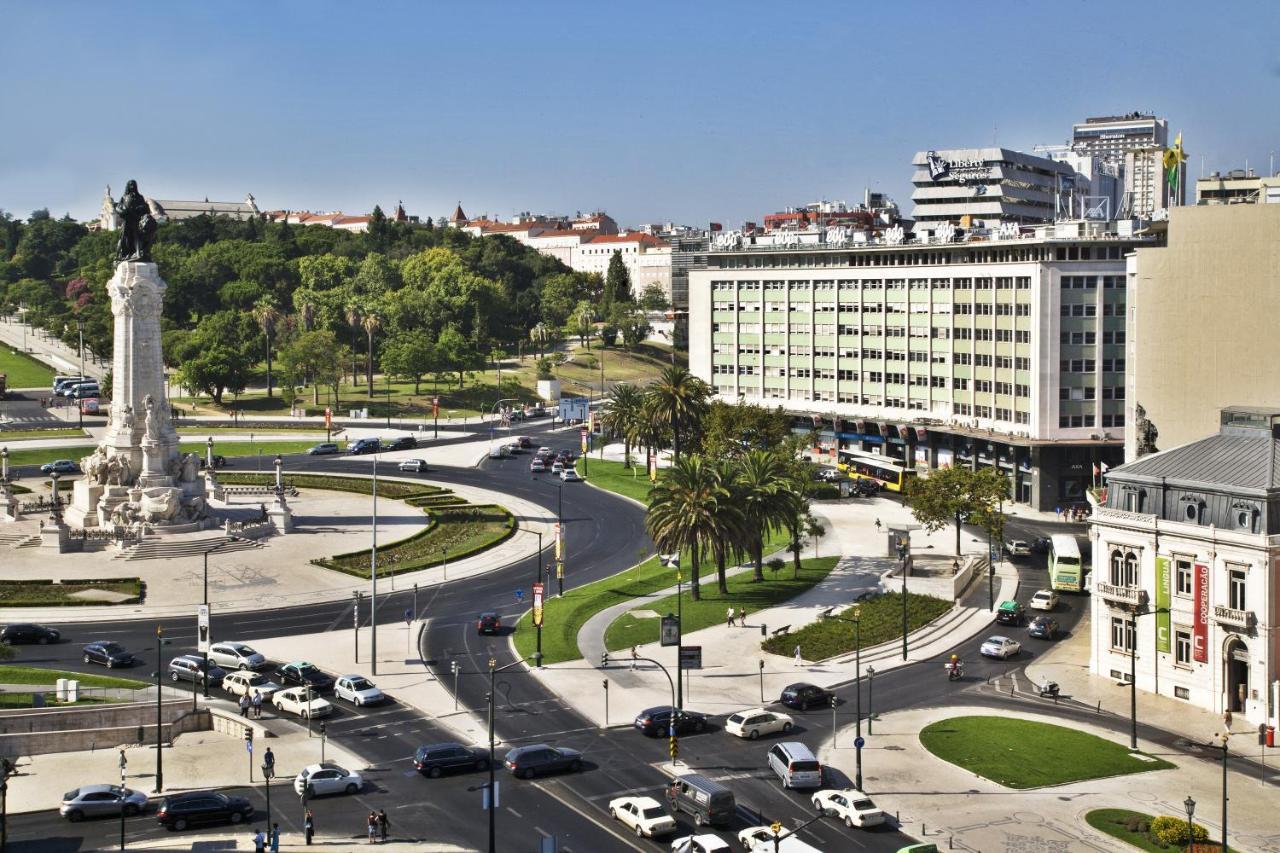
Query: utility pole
373, 577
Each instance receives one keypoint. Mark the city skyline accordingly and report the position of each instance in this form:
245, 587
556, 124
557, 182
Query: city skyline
344, 111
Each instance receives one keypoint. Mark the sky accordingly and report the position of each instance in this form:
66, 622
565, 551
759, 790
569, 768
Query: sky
686, 112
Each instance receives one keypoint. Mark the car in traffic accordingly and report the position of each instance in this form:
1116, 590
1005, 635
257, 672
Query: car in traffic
644, 816
318, 780
704, 843
327, 448
537, 466
538, 759
570, 475
1041, 545
201, 808
401, 442
304, 674
1000, 647
230, 655
60, 382
849, 805
557, 467
436, 759
488, 623
83, 391
1044, 599
804, 696
101, 801
498, 451
108, 653
544, 452
191, 668
301, 701
357, 690
60, 466
761, 839
524, 441
416, 466
1010, 613
757, 721
656, 721
246, 683
361, 446
1017, 548
29, 632
1043, 628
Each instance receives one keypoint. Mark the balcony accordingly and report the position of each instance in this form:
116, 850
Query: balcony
1234, 618
1128, 596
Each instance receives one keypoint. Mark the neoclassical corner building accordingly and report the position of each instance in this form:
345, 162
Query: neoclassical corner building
1186, 564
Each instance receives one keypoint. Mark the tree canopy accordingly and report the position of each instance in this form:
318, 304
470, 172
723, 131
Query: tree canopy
954, 496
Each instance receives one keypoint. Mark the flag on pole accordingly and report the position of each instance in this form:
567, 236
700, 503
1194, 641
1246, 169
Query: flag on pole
1095, 469
1173, 158
1104, 467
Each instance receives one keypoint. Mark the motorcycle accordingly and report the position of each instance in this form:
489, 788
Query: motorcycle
1049, 690
955, 672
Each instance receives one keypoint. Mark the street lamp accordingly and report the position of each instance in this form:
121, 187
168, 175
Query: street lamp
268, 770
1190, 805
373, 577
871, 682
80, 332
160, 643
1225, 736
904, 556
537, 655
492, 787
856, 621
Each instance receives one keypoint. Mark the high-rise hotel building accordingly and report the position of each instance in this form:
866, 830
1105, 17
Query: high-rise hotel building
1006, 350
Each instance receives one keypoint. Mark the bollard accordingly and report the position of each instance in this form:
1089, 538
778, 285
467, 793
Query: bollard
951, 842
1099, 708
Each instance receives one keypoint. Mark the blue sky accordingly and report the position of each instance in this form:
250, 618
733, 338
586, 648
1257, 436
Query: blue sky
683, 111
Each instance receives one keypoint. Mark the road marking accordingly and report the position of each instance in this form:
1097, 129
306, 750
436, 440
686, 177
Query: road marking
606, 826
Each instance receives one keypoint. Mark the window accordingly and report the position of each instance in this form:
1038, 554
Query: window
1236, 589
1121, 634
1182, 577
982, 386
1182, 647
960, 384
1124, 568
1113, 420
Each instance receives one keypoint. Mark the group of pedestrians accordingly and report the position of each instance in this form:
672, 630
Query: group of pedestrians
741, 616
378, 826
251, 706
264, 841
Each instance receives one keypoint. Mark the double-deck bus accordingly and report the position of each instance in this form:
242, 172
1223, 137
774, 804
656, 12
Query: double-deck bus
868, 466
1065, 569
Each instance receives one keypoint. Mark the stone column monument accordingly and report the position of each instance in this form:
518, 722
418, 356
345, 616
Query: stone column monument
10, 509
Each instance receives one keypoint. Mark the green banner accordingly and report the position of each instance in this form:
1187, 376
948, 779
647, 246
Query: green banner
1164, 580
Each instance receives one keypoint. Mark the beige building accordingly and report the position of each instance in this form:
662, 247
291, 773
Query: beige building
1238, 187
1201, 322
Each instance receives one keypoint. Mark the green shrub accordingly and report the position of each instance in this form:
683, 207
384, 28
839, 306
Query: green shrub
1172, 831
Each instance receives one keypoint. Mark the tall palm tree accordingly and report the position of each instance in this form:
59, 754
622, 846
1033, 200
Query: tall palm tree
372, 323
353, 317
730, 524
624, 416
761, 491
682, 513
539, 335
678, 400
267, 315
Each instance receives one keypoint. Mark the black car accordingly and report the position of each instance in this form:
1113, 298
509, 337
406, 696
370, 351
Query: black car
364, 445
488, 623
1040, 545
1010, 613
219, 461
191, 668
525, 762
404, 442
28, 632
301, 673
656, 721
437, 758
805, 696
108, 654
194, 808
1043, 628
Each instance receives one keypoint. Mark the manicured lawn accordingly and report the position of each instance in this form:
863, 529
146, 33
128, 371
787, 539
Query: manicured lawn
616, 477
627, 630
45, 594
455, 532
25, 434
1026, 754
226, 448
39, 676
880, 620
24, 700
24, 371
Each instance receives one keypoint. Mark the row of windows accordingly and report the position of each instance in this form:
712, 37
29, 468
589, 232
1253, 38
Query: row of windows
1088, 392
960, 255
1090, 282
1087, 338
962, 333
1089, 365
1089, 309
1076, 421
1000, 283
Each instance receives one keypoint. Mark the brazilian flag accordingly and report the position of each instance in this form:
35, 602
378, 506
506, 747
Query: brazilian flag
1173, 158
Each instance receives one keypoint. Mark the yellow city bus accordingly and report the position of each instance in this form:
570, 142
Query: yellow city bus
869, 466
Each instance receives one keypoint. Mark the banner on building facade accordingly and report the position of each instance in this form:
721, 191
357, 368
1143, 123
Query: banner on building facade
1163, 625
1200, 638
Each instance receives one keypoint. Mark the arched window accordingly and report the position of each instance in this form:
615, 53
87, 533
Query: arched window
1131, 569
1117, 567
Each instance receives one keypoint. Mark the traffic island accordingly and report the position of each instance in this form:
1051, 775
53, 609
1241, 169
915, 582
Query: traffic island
1147, 832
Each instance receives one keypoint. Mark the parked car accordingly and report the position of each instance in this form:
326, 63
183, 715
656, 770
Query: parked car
525, 762
191, 668
1010, 613
101, 801
488, 623
1044, 599
537, 466
60, 382
850, 805
1017, 548
196, 808
60, 466
1043, 628
317, 780
108, 653
402, 442
656, 721
82, 391
705, 843
417, 466
804, 696
28, 632
327, 448
751, 724
301, 701
1000, 647
303, 673
361, 446
569, 475
247, 682
235, 656
644, 816
358, 690
436, 759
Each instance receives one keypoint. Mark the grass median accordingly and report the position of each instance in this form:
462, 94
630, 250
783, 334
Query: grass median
38, 676
629, 630
28, 434
1022, 754
23, 371
630, 482
46, 593
880, 620
1146, 832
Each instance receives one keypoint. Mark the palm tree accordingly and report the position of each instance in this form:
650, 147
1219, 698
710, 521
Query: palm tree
683, 509
761, 490
267, 314
372, 323
352, 314
539, 335
730, 530
799, 486
304, 302
624, 416
677, 399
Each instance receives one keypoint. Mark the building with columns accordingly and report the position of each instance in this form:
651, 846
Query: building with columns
175, 209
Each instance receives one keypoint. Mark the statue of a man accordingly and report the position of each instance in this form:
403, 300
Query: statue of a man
153, 418
1146, 432
137, 225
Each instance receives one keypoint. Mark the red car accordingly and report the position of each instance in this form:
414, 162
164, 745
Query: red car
488, 623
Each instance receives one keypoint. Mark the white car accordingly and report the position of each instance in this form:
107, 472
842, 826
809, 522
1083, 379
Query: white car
700, 844
417, 466
1000, 647
569, 475
850, 805
316, 780
295, 701
644, 815
247, 682
1017, 548
751, 724
1045, 599
498, 451
357, 690
557, 467
236, 656
760, 839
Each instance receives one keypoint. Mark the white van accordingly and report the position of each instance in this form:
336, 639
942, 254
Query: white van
795, 765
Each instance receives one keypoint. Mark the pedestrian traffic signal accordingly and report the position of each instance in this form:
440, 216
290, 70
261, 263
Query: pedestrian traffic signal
248, 734
604, 658
675, 748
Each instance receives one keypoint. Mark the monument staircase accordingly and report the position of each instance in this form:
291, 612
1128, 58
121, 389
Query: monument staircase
19, 540
162, 548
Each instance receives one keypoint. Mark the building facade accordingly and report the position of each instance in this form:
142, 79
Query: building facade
985, 187
1239, 186
1135, 144
176, 209
1186, 567
1006, 352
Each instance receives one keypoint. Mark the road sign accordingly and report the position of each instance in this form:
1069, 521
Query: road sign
670, 630
202, 628
408, 615
691, 657
519, 595
537, 605
995, 553
859, 742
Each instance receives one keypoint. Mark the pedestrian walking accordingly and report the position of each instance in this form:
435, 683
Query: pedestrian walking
635, 653
372, 821
275, 838
257, 704
308, 825
799, 660
729, 617
244, 704
269, 759
877, 525
259, 842
742, 616
383, 824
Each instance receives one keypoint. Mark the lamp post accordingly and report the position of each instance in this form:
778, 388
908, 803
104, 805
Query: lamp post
904, 556
856, 621
871, 704
268, 770
80, 332
1225, 736
492, 787
160, 643
537, 655
373, 577
1190, 805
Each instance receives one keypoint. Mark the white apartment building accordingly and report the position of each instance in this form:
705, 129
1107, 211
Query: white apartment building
1005, 352
648, 259
1186, 568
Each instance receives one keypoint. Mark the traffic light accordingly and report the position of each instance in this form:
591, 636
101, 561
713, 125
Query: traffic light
833, 701
675, 748
604, 658
248, 734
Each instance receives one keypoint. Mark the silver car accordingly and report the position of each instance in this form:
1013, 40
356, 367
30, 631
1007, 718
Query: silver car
100, 801
235, 656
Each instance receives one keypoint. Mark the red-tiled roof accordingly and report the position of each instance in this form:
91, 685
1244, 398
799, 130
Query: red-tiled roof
458, 215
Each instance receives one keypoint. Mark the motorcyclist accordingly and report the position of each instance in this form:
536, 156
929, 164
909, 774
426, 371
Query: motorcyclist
954, 667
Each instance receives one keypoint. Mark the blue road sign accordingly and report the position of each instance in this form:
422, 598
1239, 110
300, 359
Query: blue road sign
995, 553
519, 595
408, 614
859, 741
248, 747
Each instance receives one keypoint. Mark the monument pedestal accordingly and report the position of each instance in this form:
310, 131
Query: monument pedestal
55, 535
86, 498
10, 508
281, 516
